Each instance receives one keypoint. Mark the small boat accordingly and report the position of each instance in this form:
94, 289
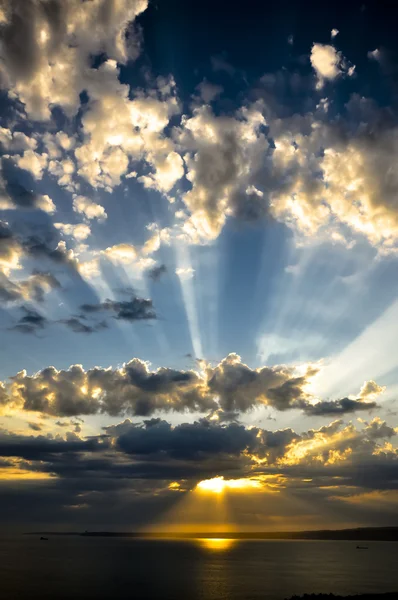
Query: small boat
45, 539
362, 548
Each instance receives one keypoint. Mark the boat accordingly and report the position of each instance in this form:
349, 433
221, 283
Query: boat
362, 547
45, 539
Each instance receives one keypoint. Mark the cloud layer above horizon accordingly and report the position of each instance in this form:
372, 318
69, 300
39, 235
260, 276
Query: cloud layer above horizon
225, 235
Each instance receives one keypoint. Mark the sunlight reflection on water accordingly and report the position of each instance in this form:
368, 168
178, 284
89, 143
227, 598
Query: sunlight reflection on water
218, 544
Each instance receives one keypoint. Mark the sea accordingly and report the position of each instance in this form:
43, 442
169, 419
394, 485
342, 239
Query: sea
76, 567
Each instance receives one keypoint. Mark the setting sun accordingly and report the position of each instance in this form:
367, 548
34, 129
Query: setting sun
217, 485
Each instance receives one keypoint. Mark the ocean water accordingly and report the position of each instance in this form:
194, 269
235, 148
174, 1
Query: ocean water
73, 567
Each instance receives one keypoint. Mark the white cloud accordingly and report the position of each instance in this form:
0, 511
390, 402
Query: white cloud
122, 253
185, 273
222, 155
33, 162
52, 65
328, 63
80, 231
89, 209
333, 33
89, 269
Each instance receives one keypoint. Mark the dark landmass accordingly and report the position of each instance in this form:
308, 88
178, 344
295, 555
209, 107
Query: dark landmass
388, 596
365, 534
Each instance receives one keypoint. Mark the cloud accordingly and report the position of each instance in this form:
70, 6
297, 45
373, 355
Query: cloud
135, 131
375, 55
328, 63
188, 441
156, 272
78, 326
80, 231
91, 210
31, 322
32, 289
326, 176
338, 407
43, 448
209, 91
219, 63
46, 52
333, 33
185, 272
16, 196
136, 309
224, 390
123, 253
34, 426
222, 155
371, 390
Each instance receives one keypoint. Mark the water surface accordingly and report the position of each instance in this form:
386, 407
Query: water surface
73, 567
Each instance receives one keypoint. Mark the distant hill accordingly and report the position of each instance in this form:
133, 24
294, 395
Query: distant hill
391, 596
360, 534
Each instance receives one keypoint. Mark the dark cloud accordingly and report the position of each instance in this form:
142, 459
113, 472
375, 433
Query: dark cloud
338, 407
43, 448
77, 326
34, 426
38, 247
189, 441
20, 197
31, 322
156, 272
136, 309
333, 464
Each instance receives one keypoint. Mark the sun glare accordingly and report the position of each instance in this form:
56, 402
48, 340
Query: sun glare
218, 544
217, 485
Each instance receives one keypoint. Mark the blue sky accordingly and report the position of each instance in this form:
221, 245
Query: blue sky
198, 209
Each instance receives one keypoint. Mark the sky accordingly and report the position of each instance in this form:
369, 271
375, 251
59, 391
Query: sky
198, 265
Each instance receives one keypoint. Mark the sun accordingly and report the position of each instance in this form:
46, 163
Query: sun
217, 485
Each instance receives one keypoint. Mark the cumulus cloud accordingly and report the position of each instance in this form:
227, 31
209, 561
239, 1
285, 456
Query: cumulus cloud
91, 210
229, 388
185, 272
371, 390
16, 196
80, 231
138, 258
33, 162
134, 132
329, 174
222, 155
33, 288
328, 63
46, 51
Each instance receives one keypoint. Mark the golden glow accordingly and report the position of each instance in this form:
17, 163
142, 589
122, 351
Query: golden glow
43, 36
218, 544
18, 474
174, 485
217, 485
84, 389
